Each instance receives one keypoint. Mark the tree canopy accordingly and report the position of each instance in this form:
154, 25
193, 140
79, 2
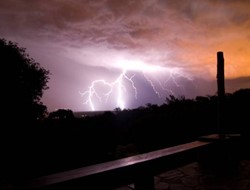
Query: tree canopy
24, 81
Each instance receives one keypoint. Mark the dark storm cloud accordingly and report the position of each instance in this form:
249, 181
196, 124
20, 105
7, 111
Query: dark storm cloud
122, 23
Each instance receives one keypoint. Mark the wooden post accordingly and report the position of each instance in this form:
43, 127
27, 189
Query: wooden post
221, 93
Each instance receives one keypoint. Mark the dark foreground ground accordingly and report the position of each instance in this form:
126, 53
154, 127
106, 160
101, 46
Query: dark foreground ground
193, 177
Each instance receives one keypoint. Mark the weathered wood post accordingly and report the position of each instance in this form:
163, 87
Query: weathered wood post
221, 93
229, 159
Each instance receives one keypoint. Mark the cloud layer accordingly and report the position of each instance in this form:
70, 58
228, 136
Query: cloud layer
82, 35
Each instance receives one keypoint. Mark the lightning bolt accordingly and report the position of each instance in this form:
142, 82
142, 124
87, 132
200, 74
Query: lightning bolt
118, 87
117, 84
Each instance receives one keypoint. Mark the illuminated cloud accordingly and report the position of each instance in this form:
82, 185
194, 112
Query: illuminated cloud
82, 41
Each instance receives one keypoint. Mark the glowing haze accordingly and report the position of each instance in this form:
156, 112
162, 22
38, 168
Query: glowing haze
105, 54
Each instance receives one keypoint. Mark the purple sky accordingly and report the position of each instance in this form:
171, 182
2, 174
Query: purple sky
104, 54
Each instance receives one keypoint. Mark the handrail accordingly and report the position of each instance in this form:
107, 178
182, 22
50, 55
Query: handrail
139, 169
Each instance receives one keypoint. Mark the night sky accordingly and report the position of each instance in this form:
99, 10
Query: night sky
104, 54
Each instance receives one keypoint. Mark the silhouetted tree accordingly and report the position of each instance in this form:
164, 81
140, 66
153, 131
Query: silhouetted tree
62, 114
24, 81
118, 109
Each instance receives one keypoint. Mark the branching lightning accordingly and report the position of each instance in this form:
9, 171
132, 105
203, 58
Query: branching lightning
112, 86
118, 86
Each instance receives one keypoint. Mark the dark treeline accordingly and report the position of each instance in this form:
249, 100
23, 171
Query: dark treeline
62, 142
